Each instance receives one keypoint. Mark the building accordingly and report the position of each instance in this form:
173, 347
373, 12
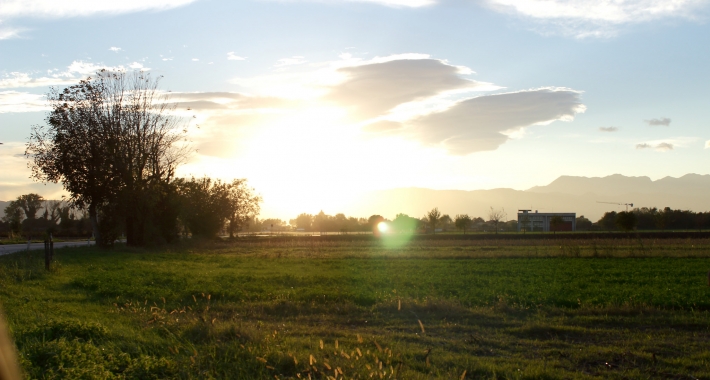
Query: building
540, 221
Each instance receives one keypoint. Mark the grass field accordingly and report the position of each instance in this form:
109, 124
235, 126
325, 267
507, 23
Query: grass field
367, 308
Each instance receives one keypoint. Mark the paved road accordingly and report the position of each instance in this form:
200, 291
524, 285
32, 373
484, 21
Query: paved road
10, 248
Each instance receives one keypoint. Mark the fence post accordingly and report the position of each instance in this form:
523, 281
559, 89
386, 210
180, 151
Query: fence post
51, 248
46, 254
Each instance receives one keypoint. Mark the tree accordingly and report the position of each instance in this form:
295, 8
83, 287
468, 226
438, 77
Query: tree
30, 204
462, 222
304, 221
13, 216
243, 205
113, 143
405, 223
583, 224
608, 220
496, 216
204, 205
555, 223
626, 220
433, 218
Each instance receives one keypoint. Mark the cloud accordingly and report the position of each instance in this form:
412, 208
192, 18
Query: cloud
484, 123
295, 60
115, 49
233, 57
608, 129
707, 144
76, 71
203, 101
664, 121
70, 8
371, 89
584, 18
7, 32
663, 147
667, 144
13, 101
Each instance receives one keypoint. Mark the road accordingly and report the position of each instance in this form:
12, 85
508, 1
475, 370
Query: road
10, 248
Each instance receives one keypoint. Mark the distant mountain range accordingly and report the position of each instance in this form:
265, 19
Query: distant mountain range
565, 194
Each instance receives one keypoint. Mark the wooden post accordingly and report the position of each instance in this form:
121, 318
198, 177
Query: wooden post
46, 254
51, 248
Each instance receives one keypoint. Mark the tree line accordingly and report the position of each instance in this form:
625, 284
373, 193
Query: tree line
114, 142
646, 218
200, 207
433, 221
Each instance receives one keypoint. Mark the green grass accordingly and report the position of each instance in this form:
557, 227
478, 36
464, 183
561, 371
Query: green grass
425, 309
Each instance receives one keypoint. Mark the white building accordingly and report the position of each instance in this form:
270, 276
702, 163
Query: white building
540, 221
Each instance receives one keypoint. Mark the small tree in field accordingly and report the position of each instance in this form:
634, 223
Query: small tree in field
496, 216
626, 220
433, 218
243, 205
462, 222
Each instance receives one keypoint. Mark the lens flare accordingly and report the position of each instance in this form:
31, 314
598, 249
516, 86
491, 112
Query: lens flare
382, 227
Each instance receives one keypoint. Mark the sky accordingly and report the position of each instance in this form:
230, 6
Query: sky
317, 102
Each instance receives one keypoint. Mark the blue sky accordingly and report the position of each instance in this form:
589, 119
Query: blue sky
317, 101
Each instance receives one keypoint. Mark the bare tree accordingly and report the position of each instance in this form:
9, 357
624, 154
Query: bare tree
433, 217
496, 216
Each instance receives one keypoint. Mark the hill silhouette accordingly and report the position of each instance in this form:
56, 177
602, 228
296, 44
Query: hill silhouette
565, 194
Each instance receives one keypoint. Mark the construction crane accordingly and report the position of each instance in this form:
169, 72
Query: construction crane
620, 204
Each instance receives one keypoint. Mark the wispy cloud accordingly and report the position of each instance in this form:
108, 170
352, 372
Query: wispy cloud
233, 57
8, 32
664, 121
14, 101
115, 49
69, 8
295, 60
74, 72
661, 147
608, 129
584, 18
668, 144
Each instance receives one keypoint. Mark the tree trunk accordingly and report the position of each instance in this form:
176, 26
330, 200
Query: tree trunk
93, 216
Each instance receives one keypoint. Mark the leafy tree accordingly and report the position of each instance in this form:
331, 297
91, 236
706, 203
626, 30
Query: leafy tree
405, 223
13, 216
626, 220
582, 223
243, 205
445, 222
555, 223
204, 205
462, 222
374, 220
608, 221
113, 143
30, 204
432, 218
304, 221
496, 216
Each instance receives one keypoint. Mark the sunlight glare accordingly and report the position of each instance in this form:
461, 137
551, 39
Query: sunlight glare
382, 227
